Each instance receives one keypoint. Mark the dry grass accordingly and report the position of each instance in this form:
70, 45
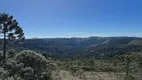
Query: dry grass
65, 75
100, 76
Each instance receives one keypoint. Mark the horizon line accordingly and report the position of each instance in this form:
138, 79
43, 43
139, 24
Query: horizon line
80, 37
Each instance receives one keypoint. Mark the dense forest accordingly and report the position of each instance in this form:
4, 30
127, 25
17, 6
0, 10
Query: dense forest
98, 47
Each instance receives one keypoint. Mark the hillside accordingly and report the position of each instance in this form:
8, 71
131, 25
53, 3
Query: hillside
91, 46
92, 58
135, 42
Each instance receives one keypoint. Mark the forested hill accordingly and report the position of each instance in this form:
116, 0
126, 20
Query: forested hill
88, 47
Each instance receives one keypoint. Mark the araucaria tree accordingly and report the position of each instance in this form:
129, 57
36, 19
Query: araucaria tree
9, 30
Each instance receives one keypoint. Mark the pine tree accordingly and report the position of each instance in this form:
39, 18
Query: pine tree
9, 30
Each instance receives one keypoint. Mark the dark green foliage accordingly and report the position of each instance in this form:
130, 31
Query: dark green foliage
9, 29
39, 64
1, 56
9, 26
45, 55
28, 65
11, 53
98, 47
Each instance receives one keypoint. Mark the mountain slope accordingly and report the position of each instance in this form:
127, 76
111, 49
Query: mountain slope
91, 46
136, 42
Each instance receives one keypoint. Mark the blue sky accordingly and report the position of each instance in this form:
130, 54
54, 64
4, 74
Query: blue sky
76, 18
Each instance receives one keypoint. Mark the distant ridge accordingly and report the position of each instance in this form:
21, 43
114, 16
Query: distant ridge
86, 37
94, 45
136, 42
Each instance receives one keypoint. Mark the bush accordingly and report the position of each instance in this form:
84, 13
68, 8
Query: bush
34, 62
27, 65
11, 53
13, 67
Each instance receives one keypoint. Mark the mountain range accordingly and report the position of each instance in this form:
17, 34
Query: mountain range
81, 47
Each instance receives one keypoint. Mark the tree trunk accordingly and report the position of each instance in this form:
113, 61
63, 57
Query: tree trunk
127, 67
4, 46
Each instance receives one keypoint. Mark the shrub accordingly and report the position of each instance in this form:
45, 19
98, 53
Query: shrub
34, 62
11, 53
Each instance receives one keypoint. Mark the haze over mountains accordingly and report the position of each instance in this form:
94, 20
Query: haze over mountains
90, 47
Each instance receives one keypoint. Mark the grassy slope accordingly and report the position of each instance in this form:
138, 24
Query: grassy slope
65, 75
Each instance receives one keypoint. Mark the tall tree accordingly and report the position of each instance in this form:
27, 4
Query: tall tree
127, 59
9, 30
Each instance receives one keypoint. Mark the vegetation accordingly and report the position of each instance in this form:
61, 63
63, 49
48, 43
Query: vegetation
93, 58
28, 65
121, 67
9, 29
76, 62
98, 47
